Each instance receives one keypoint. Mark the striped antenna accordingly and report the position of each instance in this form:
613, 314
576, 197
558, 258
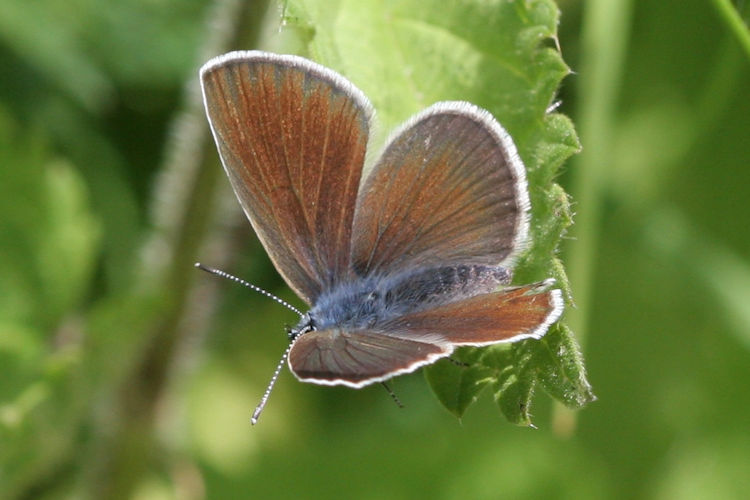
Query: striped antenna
280, 366
258, 289
276, 372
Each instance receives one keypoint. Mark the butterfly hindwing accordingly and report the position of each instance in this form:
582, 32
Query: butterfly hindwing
508, 315
359, 357
356, 358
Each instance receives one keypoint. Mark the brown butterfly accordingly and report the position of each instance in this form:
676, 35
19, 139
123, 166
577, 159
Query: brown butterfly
399, 267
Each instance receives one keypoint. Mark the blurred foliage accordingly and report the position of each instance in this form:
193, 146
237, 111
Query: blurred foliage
118, 381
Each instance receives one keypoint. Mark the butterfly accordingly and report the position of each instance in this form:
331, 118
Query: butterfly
401, 263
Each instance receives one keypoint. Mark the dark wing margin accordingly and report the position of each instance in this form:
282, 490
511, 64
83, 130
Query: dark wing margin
292, 137
359, 358
448, 189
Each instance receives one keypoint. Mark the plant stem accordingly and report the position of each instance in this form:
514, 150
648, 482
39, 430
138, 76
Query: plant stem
189, 185
735, 23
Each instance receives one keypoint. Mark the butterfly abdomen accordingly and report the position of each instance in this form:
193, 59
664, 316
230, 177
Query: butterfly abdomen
367, 302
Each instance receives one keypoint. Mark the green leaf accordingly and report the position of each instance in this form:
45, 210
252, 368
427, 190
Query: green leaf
502, 56
513, 380
458, 386
513, 394
559, 365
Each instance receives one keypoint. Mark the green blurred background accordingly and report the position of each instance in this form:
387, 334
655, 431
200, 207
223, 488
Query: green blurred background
125, 373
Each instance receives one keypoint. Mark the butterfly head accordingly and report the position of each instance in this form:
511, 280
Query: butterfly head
305, 325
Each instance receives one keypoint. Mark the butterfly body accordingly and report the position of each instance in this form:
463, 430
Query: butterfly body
374, 300
399, 266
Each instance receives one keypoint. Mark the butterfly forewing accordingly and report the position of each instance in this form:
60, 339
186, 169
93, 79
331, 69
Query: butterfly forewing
292, 137
449, 189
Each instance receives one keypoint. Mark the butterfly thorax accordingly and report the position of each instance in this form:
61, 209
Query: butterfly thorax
367, 302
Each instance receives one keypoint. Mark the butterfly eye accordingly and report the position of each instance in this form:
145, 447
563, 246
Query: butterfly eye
305, 326
309, 325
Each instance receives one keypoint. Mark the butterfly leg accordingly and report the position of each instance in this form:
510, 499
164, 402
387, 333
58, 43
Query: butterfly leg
392, 394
